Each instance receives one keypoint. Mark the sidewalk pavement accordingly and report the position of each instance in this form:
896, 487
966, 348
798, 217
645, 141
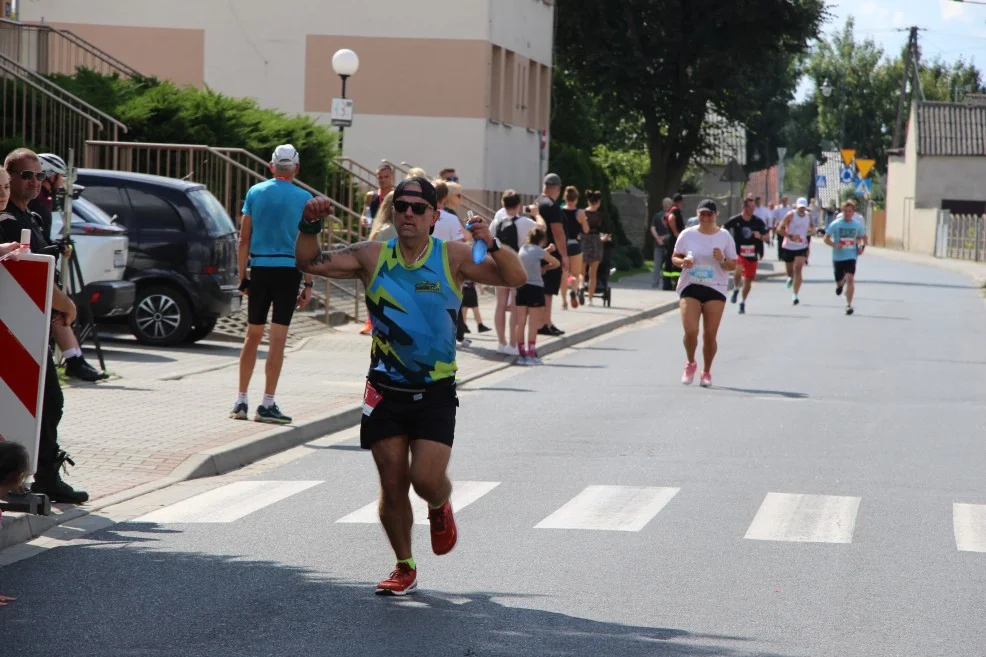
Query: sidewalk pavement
163, 417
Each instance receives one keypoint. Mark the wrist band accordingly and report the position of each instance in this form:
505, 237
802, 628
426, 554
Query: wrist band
244, 284
310, 227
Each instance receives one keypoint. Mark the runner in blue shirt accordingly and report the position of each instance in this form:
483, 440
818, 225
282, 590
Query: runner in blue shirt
847, 237
268, 230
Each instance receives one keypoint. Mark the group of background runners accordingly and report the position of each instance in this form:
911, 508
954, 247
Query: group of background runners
706, 254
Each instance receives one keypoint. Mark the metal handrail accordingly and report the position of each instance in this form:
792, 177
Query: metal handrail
45, 82
17, 74
77, 41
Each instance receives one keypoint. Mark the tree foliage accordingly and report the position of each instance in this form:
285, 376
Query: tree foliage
668, 62
160, 112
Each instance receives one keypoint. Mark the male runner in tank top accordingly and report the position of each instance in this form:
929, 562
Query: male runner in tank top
413, 290
794, 231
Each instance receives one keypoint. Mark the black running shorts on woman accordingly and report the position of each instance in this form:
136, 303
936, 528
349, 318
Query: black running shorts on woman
702, 293
419, 413
273, 286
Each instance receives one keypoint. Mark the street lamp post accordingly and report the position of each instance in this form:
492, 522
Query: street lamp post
345, 63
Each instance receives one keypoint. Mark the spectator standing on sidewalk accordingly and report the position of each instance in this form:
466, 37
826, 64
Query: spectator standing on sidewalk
594, 249
385, 179
512, 229
554, 225
659, 231
536, 260
383, 229
25, 173
676, 224
576, 227
268, 230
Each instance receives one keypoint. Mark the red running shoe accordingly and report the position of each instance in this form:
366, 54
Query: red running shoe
402, 581
443, 532
367, 328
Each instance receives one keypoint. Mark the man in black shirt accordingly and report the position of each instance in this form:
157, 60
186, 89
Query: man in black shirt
749, 232
553, 217
659, 231
676, 224
26, 175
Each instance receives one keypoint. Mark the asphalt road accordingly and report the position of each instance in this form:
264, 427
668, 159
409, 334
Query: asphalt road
802, 506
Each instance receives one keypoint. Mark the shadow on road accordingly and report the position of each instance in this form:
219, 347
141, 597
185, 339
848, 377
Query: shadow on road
111, 596
774, 393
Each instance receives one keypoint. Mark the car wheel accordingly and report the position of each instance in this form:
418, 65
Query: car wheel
201, 330
161, 316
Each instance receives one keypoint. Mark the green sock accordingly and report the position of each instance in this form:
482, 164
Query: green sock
410, 562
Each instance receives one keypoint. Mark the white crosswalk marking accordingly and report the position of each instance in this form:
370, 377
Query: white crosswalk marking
969, 523
464, 493
805, 518
227, 503
612, 508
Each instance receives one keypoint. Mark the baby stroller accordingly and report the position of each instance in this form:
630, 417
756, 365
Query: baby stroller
603, 289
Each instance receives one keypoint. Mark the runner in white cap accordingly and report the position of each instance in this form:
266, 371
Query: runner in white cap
794, 229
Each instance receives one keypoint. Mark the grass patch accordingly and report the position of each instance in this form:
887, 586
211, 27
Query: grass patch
648, 268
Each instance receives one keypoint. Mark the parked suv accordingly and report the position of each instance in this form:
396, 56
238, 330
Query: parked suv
182, 252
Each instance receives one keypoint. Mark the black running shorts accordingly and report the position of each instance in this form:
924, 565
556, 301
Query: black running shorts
702, 293
469, 297
273, 286
530, 296
420, 414
552, 281
788, 255
843, 267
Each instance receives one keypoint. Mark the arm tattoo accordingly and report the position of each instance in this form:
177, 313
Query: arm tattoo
326, 256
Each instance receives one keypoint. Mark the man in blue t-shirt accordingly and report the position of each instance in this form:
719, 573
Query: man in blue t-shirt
847, 237
268, 230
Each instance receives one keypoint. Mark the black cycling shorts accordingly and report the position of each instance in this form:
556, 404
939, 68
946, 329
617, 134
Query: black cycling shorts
843, 267
273, 286
530, 296
788, 255
469, 297
426, 413
702, 293
552, 281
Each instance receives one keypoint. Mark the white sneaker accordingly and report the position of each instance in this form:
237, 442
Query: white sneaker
463, 343
508, 350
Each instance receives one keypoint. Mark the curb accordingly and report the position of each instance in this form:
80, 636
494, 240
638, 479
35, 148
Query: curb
20, 528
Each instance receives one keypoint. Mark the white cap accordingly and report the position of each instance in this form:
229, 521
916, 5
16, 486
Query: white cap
802, 203
285, 154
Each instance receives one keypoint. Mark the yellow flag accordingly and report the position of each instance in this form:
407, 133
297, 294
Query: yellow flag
865, 166
847, 155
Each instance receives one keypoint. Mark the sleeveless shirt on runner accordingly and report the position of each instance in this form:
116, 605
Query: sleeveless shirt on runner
799, 226
413, 309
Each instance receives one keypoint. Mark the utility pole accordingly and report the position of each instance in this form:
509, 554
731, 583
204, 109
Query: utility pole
912, 66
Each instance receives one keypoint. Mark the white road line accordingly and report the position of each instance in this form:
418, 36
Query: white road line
464, 493
611, 508
805, 518
969, 522
227, 503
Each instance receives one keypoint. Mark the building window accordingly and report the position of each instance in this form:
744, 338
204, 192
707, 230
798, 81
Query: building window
510, 88
496, 84
544, 103
533, 76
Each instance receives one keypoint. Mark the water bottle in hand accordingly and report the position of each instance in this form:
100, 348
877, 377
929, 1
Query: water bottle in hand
479, 246
690, 257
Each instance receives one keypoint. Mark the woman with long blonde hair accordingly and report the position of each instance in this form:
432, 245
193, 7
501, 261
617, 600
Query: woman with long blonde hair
382, 229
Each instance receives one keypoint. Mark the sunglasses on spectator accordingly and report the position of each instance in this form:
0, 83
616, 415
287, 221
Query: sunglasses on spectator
27, 174
453, 179
417, 208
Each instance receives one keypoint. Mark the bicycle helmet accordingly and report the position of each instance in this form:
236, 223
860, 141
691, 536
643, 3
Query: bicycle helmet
53, 165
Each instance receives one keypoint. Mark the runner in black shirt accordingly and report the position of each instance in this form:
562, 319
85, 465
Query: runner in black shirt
749, 232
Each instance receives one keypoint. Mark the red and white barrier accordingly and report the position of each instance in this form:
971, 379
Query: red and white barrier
26, 284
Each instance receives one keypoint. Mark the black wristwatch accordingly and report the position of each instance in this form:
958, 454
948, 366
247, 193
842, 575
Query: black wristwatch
494, 247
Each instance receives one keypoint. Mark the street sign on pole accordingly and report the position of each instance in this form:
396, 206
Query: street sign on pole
342, 112
864, 186
734, 172
847, 155
865, 166
846, 176
821, 182
781, 152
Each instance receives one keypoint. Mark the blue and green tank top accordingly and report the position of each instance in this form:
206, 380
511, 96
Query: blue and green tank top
413, 309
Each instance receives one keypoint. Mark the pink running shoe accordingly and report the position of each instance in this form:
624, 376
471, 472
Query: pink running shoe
706, 379
689, 375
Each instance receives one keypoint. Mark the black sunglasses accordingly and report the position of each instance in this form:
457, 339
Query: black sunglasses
417, 208
453, 179
27, 174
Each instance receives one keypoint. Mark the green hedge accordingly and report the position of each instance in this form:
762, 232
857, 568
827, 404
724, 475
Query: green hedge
159, 111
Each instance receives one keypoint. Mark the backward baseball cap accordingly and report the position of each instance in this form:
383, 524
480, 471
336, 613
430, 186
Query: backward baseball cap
285, 154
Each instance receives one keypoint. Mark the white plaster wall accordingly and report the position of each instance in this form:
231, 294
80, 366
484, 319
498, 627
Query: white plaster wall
523, 26
512, 159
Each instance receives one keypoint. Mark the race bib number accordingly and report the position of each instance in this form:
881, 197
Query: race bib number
847, 243
702, 273
748, 250
370, 399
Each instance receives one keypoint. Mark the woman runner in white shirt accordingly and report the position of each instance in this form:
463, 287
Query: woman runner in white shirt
706, 254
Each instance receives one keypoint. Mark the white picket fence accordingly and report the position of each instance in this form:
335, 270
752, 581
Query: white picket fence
961, 236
